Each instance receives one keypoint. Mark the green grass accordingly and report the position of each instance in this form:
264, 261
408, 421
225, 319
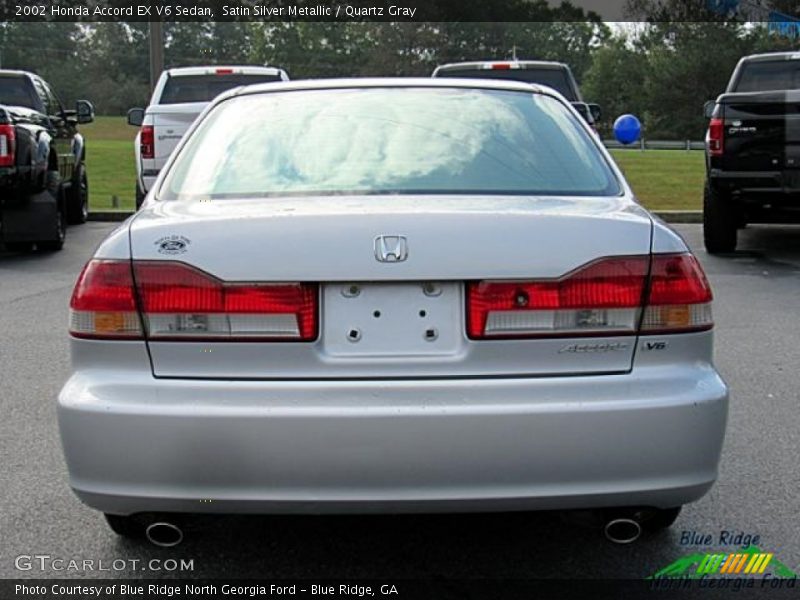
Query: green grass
112, 172
109, 163
662, 179
109, 128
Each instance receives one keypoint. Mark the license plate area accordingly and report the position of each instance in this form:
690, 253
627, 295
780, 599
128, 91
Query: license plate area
392, 319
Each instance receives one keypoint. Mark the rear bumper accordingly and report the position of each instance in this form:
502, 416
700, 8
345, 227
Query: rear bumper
758, 186
134, 443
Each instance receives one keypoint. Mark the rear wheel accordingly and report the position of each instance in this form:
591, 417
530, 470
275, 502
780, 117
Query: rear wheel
721, 218
78, 198
19, 246
59, 225
657, 519
127, 527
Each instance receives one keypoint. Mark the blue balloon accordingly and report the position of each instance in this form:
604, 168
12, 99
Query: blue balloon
627, 129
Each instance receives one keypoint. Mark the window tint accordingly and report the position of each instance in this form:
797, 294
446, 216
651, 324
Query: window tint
764, 76
204, 88
389, 140
554, 78
15, 91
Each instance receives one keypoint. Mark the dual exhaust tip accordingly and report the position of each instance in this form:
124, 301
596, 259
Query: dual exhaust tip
620, 530
164, 534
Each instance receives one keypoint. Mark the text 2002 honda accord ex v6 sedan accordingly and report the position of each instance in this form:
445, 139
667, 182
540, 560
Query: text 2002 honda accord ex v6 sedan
391, 295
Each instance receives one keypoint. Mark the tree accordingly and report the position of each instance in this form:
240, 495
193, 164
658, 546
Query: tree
616, 79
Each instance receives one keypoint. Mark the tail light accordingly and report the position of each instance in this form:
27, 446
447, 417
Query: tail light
601, 298
103, 302
147, 142
223, 71
679, 298
501, 66
715, 137
8, 145
607, 297
180, 302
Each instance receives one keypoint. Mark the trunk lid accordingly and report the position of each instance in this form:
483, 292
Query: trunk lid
170, 123
332, 241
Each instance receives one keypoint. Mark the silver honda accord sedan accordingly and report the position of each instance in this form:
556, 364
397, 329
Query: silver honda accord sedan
388, 295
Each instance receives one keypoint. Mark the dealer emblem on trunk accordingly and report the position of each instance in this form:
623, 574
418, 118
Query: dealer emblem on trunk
172, 244
391, 248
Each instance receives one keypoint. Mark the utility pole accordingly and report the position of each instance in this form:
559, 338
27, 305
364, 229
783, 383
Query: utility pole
156, 35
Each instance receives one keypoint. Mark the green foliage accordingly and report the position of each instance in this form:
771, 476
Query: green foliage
663, 71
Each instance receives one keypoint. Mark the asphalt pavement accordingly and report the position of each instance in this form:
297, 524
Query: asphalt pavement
757, 313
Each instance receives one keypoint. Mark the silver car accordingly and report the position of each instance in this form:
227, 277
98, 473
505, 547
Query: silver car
385, 295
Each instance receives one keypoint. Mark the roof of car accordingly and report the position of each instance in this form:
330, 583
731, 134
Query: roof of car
212, 69
16, 73
396, 82
514, 64
767, 56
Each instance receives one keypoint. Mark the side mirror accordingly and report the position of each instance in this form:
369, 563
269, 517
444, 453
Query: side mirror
627, 129
136, 117
583, 110
708, 109
595, 111
84, 111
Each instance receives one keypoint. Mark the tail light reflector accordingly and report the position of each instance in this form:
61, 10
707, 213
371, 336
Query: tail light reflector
103, 303
181, 302
8, 145
679, 296
715, 137
607, 297
147, 142
601, 298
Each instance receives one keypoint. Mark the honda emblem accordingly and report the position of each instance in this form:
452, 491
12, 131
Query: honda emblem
391, 248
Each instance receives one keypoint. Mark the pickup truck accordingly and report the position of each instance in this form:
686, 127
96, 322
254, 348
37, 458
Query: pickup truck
43, 181
552, 74
753, 149
180, 95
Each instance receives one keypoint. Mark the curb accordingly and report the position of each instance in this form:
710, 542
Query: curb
680, 216
670, 216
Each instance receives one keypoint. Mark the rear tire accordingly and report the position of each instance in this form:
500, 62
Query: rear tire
78, 198
127, 527
19, 246
721, 218
59, 225
660, 518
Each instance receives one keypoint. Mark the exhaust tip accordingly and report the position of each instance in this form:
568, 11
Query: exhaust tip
622, 531
164, 534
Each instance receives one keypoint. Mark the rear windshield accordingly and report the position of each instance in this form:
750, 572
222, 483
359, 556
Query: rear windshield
554, 78
761, 76
204, 88
15, 91
389, 141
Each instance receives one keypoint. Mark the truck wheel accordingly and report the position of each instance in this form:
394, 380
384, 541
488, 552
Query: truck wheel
19, 246
127, 527
139, 196
59, 226
720, 221
78, 198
